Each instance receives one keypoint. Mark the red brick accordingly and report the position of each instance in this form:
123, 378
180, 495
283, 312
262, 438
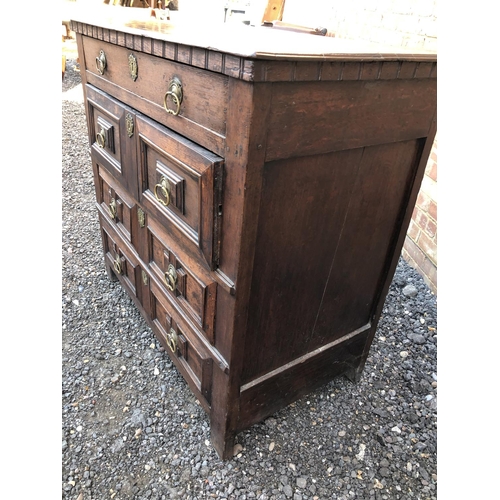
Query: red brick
414, 256
413, 231
423, 201
432, 172
433, 208
414, 252
421, 219
428, 247
412, 263
406, 256
431, 228
429, 273
429, 269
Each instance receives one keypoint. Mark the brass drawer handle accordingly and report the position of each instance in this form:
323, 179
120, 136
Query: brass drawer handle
165, 191
171, 278
101, 138
117, 265
175, 93
100, 62
172, 340
112, 208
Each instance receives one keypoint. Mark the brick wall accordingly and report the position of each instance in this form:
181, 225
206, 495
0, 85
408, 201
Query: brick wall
405, 23
420, 248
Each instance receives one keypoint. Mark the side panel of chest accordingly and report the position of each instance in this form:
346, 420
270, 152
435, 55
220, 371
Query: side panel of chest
320, 280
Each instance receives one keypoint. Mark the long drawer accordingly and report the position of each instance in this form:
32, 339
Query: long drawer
179, 96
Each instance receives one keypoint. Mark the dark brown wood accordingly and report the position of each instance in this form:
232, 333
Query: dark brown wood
195, 179
118, 154
380, 112
202, 115
266, 395
196, 291
291, 176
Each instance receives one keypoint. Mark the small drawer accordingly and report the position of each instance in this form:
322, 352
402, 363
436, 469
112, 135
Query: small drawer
120, 261
179, 96
112, 136
123, 264
189, 285
115, 204
181, 184
182, 344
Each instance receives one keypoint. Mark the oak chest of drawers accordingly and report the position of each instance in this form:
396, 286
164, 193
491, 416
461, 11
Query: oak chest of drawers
254, 190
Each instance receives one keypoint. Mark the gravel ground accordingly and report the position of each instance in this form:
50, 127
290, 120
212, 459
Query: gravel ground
131, 428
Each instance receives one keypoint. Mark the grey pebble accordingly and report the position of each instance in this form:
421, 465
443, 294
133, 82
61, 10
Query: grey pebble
410, 291
417, 338
384, 472
105, 332
301, 482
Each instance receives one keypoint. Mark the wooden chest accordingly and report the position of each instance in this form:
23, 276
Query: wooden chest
254, 190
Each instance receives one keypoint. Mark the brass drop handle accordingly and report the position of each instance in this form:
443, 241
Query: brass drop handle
175, 94
117, 265
171, 278
101, 138
112, 208
100, 62
164, 186
172, 340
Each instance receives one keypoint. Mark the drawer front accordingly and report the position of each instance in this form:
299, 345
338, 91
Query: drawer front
112, 136
121, 260
182, 345
179, 96
190, 287
181, 184
115, 204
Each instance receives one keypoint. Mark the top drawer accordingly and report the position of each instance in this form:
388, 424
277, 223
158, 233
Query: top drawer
189, 100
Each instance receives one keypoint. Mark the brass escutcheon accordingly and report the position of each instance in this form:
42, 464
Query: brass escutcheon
172, 340
171, 278
101, 138
117, 265
175, 93
112, 208
164, 186
100, 62
132, 66
145, 278
129, 123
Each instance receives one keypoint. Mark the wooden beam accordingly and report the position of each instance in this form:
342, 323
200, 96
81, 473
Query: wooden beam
274, 11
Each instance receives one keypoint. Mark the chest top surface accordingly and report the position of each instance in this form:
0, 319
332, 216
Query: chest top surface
262, 43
